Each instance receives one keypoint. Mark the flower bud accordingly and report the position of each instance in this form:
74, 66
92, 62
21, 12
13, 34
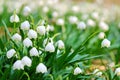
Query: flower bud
18, 65
41, 30
117, 71
77, 71
25, 25
34, 52
50, 47
105, 43
26, 61
27, 42
10, 53
81, 25
32, 34
16, 37
14, 18
41, 68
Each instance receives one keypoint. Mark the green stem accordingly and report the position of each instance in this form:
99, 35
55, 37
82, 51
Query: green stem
25, 73
51, 77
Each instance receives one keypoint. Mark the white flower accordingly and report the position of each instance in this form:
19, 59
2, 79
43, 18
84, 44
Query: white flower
55, 14
45, 9
49, 28
97, 72
103, 26
50, 47
60, 21
60, 44
105, 43
14, 18
117, 71
77, 71
73, 19
26, 61
81, 25
10, 53
18, 65
32, 34
47, 41
75, 8
16, 37
101, 35
95, 15
26, 11
41, 68
91, 23
25, 25
27, 42
41, 30
34, 52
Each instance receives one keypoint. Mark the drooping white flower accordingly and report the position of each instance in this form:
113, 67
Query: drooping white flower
26, 61
97, 72
50, 47
47, 41
27, 42
10, 53
49, 28
60, 21
81, 25
34, 52
77, 71
91, 23
16, 37
41, 68
105, 43
101, 35
25, 25
14, 18
41, 30
60, 44
103, 26
26, 11
18, 65
32, 34
117, 71
73, 19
